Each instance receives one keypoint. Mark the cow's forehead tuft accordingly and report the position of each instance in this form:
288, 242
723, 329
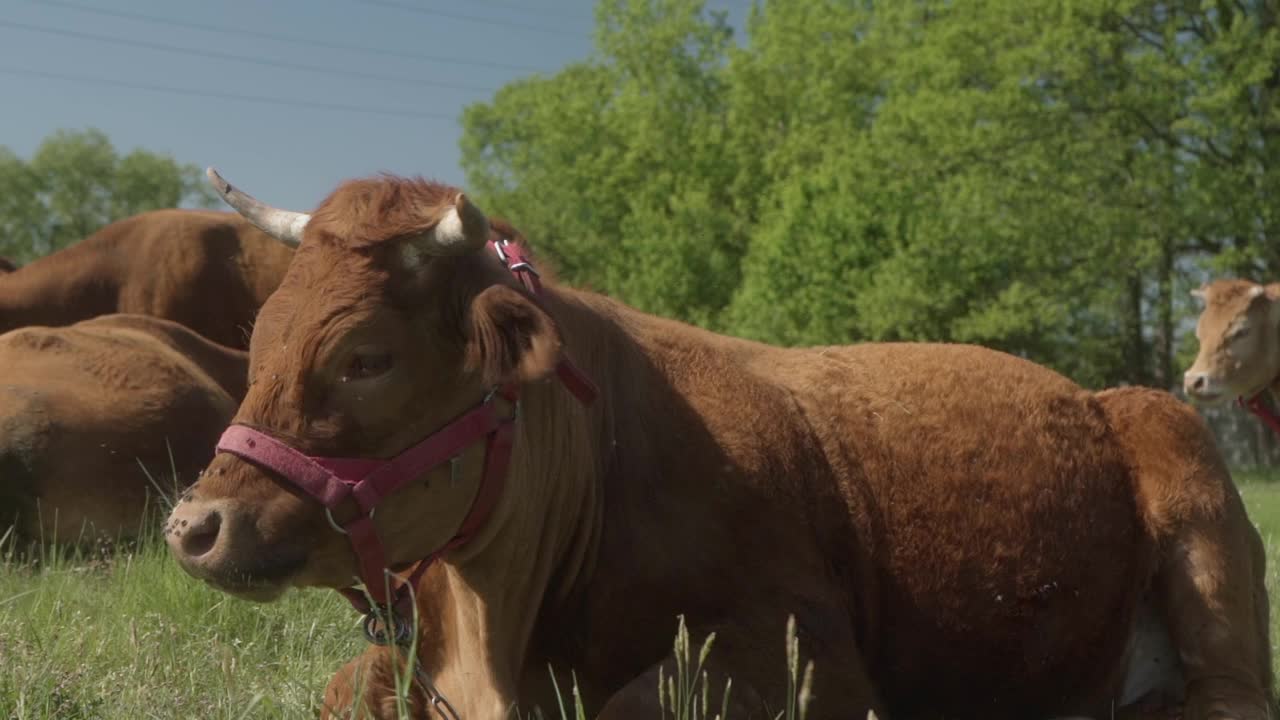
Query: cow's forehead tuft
369, 211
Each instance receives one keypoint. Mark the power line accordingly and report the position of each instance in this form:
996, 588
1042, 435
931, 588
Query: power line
533, 10
471, 18
238, 58
282, 38
216, 95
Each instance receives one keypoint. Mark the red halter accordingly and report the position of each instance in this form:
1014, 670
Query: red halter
331, 480
1264, 413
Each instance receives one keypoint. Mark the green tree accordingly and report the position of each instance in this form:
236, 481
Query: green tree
22, 215
616, 164
76, 182
1042, 177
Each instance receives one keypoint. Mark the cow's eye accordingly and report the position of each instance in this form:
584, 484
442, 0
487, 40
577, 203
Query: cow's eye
367, 364
1239, 333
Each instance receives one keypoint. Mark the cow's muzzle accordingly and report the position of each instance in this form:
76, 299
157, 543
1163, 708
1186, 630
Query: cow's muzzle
215, 543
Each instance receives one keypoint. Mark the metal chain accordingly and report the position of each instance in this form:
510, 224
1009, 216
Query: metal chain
438, 701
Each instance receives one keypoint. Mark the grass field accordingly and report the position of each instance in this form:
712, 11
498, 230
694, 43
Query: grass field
137, 638
133, 637
1261, 495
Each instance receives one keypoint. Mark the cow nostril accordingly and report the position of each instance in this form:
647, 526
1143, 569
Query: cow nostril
1198, 383
201, 536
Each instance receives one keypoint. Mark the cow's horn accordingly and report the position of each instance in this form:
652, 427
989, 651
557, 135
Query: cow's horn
283, 225
463, 228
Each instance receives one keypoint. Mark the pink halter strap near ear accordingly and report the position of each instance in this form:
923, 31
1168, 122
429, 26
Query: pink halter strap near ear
516, 258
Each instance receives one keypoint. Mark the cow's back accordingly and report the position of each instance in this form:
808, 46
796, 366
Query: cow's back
968, 468
87, 412
208, 270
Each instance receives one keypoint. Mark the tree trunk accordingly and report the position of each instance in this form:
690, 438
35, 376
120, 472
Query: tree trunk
1139, 367
1164, 339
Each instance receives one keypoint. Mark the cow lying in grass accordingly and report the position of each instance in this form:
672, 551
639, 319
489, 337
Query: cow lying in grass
210, 271
959, 533
89, 411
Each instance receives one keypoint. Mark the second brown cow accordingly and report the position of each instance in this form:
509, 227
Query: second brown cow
104, 417
209, 271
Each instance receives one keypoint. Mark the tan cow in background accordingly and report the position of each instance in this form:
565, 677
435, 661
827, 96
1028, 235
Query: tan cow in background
1239, 335
88, 410
209, 271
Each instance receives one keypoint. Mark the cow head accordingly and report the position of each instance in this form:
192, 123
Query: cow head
392, 320
1239, 343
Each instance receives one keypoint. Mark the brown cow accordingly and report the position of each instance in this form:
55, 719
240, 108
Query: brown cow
960, 533
1239, 353
210, 271
85, 408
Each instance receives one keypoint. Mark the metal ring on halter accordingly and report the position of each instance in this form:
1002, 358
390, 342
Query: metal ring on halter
498, 249
328, 514
401, 634
523, 267
515, 405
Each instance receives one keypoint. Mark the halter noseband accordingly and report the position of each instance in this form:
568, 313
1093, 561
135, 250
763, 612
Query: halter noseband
333, 480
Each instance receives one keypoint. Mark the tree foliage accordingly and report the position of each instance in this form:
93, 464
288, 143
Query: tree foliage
76, 182
1044, 177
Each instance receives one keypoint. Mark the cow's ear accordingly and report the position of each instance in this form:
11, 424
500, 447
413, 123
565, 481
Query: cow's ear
510, 338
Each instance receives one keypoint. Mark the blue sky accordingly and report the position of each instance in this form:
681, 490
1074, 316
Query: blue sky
438, 57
